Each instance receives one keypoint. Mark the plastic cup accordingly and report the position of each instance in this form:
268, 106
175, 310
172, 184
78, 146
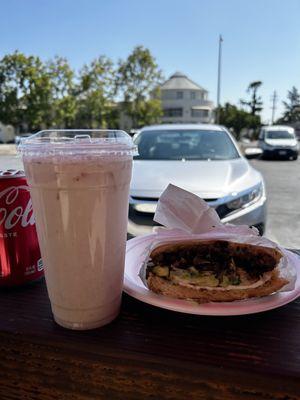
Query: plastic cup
79, 185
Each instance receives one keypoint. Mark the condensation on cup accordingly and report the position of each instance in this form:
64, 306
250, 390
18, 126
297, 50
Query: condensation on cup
79, 184
20, 258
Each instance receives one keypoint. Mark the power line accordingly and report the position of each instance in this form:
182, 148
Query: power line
274, 99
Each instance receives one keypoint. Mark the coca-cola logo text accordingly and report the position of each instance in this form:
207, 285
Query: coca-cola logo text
11, 217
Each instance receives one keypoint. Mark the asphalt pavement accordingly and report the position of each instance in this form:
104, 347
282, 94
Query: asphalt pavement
282, 180
283, 190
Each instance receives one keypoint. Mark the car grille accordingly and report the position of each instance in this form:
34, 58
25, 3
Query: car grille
156, 199
222, 210
144, 198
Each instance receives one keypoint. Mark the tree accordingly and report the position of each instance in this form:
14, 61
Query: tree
25, 91
95, 93
137, 79
149, 112
255, 103
37, 95
237, 119
63, 100
292, 107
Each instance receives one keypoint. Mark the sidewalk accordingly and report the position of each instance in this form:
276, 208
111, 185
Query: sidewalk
8, 149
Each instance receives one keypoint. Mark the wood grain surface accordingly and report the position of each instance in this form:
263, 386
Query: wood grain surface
147, 353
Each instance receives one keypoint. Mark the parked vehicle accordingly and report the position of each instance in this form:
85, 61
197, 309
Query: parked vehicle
203, 159
7, 134
278, 142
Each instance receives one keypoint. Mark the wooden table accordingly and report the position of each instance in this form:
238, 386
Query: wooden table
147, 353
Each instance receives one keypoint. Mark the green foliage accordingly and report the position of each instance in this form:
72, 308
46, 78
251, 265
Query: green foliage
137, 78
37, 95
25, 91
95, 94
237, 119
292, 107
255, 103
150, 111
62, 104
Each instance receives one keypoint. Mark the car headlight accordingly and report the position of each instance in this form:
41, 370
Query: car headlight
247, 199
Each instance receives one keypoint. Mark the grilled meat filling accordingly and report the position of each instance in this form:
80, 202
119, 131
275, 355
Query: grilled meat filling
211, 265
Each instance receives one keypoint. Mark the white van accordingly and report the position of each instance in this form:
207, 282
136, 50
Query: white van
7, 133
278, 142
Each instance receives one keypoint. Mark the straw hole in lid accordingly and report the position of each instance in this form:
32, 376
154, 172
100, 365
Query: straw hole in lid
82, 137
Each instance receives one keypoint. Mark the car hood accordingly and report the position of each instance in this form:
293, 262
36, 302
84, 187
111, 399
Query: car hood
207, 179
281, 142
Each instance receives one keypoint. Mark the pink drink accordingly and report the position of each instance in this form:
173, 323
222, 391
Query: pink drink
80, 201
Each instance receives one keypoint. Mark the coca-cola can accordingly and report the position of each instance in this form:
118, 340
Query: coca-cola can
20, 258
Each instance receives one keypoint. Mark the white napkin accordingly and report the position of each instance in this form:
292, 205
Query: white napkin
179, 209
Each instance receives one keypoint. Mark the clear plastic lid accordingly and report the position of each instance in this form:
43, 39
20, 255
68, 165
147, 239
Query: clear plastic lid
78, 141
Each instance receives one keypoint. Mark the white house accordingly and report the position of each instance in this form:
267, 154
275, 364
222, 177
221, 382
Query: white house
184, 101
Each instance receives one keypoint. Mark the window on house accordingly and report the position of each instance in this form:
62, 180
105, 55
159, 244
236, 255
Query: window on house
179, 95
166, 94
173, 112
199, 113
193, 95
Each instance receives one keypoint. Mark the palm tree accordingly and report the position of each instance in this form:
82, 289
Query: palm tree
292, 106
255, 103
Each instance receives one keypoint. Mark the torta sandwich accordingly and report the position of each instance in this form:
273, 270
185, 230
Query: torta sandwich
214, 270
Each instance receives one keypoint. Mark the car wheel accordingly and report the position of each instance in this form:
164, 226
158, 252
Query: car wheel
295, 158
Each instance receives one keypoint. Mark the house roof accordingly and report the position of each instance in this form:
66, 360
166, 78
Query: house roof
180, 81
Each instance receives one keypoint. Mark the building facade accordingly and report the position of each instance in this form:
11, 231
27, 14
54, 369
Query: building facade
184, 101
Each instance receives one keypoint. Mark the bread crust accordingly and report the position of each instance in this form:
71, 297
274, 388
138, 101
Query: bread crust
202, 295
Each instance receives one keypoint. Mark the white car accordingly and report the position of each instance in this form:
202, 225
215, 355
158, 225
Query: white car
278, 142
203, 159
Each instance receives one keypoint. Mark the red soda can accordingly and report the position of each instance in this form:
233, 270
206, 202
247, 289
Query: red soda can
20, 258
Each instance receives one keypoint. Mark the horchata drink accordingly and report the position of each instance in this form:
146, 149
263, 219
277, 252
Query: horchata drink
79, 184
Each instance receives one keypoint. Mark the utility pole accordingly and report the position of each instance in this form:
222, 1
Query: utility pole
274, 99
219, 79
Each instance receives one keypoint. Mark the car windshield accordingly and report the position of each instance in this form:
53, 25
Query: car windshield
185, 144
280, 135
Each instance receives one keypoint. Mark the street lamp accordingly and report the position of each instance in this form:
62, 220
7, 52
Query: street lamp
219, 79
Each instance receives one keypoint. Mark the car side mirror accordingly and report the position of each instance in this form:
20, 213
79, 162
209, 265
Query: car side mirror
253, 152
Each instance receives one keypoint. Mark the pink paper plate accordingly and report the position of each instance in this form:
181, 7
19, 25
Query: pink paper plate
134, 286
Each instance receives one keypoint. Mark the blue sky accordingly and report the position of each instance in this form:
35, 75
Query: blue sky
261, 37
